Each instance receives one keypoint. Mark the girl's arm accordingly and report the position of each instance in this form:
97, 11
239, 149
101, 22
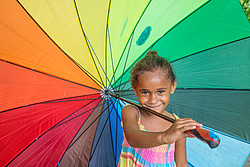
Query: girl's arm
141, 139
180, 153
135, 137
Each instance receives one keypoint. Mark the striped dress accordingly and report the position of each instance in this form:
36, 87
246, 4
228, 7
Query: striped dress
161, 156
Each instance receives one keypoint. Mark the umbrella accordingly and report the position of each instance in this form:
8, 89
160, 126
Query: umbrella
59, 57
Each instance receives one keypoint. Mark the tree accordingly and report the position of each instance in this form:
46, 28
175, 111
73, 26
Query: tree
246, 6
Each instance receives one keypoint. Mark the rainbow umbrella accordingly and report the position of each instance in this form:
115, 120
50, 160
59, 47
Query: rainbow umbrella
58, 58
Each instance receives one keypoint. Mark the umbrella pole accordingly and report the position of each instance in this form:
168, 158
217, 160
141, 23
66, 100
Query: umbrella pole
205, 136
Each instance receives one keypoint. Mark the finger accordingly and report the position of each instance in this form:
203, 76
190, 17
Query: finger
188, 121
187, 125
183, 129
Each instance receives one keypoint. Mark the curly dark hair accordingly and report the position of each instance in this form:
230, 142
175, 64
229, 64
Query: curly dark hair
151, 62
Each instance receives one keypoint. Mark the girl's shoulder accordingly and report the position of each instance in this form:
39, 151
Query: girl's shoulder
130, 109
130, 115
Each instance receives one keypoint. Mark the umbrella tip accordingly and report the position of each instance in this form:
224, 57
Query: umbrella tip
105, 92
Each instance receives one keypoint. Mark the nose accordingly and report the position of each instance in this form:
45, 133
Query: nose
152, 98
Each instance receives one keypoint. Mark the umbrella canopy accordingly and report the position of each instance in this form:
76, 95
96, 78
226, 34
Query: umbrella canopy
58, 58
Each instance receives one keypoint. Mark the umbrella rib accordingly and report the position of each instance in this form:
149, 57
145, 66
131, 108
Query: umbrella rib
128, 94
150, 47
226, 89
85, 38
124, 91
77, 115
209, 49
72, 100
47, 74
88, 73
116, 129
112, 61
118, 117
41, 136
82, 69
98, 60
124, 84
101, 131
107, 33
115, 82
131, 66
54, 101
122, 102
197, 88
62, 121
74, 140
132, 33
72, 143
125, 71
118, 100
41, 72
126, 59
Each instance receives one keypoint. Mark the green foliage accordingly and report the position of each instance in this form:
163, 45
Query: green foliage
246, 6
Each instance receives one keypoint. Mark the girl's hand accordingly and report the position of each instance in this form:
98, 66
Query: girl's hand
178, 129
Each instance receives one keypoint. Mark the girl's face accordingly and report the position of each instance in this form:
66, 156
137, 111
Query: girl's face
153, 90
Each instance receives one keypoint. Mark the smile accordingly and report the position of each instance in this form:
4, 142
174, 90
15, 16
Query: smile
153, 107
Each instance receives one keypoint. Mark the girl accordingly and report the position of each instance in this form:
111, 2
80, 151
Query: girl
150, 140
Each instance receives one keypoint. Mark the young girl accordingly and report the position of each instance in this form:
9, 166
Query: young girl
150, 140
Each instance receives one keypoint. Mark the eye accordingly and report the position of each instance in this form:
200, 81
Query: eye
144, 92
161, 92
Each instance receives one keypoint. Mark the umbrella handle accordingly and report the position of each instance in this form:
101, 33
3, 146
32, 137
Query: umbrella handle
206, 136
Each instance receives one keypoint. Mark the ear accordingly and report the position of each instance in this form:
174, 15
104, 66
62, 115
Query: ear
173, 87
134, 91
